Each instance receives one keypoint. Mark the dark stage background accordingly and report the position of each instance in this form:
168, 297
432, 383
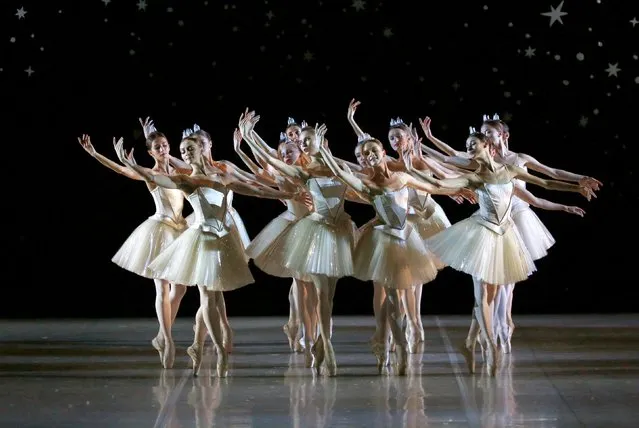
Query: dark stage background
568, 88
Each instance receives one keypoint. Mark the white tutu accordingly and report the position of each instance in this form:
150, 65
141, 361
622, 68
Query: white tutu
239, 224
315, 247
198, 257
470, 247
265, 250
146, 242
399, 262
535, 235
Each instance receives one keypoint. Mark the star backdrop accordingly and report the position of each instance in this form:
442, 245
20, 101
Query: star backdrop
563, 74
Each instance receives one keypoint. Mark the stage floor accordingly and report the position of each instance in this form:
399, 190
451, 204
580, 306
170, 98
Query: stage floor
565, 371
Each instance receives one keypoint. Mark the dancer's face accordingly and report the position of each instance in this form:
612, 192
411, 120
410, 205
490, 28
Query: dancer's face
191, 151
360, 158
289, 152
308, 143
374, 153
160, 149
293, 133
475, 146
399, 139
494, 134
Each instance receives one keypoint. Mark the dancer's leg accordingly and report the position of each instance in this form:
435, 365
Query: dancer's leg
325, 287
227, 331
291, 328
410, 308
394, 304
305, 314
484, 296
211, 316
418, 312
163, 342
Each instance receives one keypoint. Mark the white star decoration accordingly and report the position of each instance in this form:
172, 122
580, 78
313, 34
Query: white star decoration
358, 5
29, 71
106, 2
308, 56
555, 14
141, 5
613, 69
634, 22
20, 13
388, 32
583, 121
530, 52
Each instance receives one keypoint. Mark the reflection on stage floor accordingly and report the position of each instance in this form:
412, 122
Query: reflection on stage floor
565, 371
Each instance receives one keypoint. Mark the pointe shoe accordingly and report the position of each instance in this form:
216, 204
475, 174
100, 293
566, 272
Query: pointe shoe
421, 332
401, 362
291, 334
412, 339
159, 346
317, 351
308, 357
195, 352
168, 357
330, 363
222, 364
494, 360
468, 353
379, 350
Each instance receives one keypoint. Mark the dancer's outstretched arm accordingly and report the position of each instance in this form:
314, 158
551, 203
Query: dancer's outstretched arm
261, 174
526, 196
520, 173
85, 142
559, 174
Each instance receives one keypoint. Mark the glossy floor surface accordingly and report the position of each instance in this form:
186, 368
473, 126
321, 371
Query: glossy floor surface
565, 371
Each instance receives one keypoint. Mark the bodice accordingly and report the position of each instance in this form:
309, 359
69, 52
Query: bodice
294, 208
328, 198
420, 203
210, 207
495, 204
392, 210
168, 206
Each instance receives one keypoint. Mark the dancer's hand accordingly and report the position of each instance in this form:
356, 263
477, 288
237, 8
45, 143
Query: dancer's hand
147, 126
457, 198
593, 183
85, 142
586, 192
468, 194
320, 132
425, 124
352, 107
574, 210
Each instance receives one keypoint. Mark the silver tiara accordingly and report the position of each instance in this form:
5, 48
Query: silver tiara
495, 117
282, 137
291, 121
398, 121
186, 133
472, 129
364, 137
196, 127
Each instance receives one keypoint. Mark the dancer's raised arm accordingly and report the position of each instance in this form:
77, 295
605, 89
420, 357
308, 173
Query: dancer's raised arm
85, 142
260, 173
246, 124
350, 115
347, 177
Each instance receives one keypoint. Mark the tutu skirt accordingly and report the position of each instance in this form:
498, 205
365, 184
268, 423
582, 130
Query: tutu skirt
146, 242
265, 250
470, 247
535, 235
314, 246
201, 257
399, 262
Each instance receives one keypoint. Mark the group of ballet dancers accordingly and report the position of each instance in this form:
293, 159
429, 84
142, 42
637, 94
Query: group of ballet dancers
314, 241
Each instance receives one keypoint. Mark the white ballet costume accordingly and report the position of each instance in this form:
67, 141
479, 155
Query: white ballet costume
320, 243
486, 245
210, 252
150, 238
390, 250
264, 249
